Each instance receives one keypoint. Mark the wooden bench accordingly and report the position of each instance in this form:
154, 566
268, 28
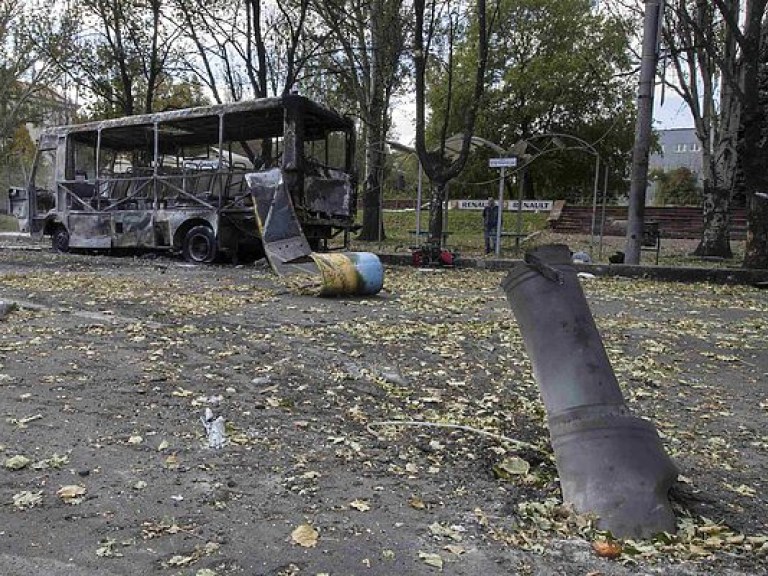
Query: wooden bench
519, 237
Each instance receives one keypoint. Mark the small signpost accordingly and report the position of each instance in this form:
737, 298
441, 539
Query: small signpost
503, 164
510, 162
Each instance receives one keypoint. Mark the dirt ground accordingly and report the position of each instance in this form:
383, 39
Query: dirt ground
109, 363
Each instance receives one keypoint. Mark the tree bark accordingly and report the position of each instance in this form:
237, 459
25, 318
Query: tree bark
715, 237
719, 181
753, 148
436, 212
373, 225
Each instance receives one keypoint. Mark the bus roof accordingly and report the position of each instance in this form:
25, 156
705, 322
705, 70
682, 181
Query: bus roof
244, 120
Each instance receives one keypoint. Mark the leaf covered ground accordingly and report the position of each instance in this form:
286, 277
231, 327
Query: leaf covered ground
109, 364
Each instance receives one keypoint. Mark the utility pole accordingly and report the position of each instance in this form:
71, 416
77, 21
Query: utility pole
650, 56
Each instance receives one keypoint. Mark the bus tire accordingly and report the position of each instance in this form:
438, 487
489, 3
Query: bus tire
60, 239
200, 245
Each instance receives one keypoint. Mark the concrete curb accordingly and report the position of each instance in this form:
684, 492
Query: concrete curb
662, 273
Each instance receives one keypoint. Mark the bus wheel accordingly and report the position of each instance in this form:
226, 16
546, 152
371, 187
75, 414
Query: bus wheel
60, 239
200, 245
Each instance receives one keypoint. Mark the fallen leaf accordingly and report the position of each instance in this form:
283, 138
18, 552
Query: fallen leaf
54, 461
417, 503
742, 489
441, 531
511, 467
431, 559
172, 461
607, 548
17, 462
305, 536
25, 499
71, 494
180, 560
360, 505
106, 549
454, 549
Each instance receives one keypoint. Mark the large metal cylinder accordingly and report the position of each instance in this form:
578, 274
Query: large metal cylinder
349, 273
610, 463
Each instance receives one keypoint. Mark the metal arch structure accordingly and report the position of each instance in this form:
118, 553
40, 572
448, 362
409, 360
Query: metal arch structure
556, 138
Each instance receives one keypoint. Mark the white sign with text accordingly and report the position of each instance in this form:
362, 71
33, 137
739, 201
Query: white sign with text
528, 205
510, 162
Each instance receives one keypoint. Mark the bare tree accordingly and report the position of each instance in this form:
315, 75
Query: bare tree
740, 141
747, 23
131, 46
370, 36
249, 48
244, 49
26, 73
701, 53
441, 22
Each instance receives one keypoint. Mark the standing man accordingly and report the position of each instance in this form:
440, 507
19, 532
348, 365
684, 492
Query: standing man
490, 221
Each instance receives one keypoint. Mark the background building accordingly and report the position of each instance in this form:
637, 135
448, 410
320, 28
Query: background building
680, 148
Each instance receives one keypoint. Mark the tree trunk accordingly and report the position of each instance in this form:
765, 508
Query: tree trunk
373, 226
718, 185
437, 166
755, 148
756, 255
715, 237
436, 212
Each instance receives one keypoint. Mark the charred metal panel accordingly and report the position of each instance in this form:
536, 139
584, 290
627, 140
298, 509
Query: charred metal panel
238, 228
283, 239
163, 235
331, 194
133, 228
90, 230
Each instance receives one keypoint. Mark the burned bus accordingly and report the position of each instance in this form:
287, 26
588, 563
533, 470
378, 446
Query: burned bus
183, 180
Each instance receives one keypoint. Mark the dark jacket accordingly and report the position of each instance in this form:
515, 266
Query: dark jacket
490, 217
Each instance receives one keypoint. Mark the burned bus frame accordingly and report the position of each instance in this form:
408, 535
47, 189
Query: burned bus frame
145, 189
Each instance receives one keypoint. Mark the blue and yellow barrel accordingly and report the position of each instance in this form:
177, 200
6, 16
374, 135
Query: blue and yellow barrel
349, 273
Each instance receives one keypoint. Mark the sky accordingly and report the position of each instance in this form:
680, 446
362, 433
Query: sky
673, 113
